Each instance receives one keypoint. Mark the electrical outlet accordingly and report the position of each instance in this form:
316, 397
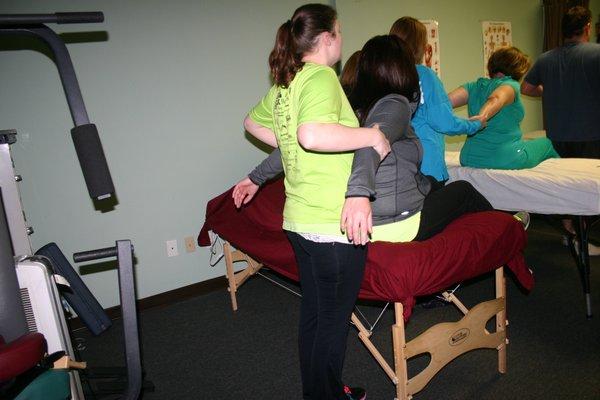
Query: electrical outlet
190, 244
172, 248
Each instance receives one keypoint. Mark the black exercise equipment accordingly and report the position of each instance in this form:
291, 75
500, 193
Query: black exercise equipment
18, 311
124, 253
85, 135
79, 297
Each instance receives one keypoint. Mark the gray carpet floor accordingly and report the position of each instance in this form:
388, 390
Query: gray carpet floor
200, 349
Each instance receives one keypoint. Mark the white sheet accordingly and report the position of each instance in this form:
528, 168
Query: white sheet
556, 186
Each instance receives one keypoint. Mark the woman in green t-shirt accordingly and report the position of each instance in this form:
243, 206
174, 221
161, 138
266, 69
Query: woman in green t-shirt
497, 103
308, 117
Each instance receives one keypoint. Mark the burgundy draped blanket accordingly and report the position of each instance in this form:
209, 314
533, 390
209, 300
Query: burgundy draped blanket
472, 245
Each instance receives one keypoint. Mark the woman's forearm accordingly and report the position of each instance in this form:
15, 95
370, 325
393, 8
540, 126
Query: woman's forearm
442, 119
531, 90
260, 132
336, 137
490, 108
458, 97
502, 96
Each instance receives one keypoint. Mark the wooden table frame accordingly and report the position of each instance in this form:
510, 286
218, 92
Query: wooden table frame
444, 341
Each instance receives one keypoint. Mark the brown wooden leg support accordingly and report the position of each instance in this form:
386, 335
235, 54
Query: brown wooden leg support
66, 363
501, 321
364, 336
468, 333
230, 275
237, 279
400, 360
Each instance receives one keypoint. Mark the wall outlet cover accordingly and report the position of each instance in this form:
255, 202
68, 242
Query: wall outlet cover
172, 248
190, 244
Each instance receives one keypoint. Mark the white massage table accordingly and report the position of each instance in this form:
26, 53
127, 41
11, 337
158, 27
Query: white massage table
567, 186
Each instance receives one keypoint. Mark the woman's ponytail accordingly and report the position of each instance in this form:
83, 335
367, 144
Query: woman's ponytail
283, 60
296, 37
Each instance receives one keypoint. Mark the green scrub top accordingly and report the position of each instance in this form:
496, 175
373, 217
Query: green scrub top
499, 144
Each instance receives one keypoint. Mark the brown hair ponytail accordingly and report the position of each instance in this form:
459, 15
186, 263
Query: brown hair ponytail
283, 60
296, 37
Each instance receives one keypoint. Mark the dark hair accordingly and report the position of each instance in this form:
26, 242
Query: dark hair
414, 33
348, 76
510, 61
386, 66
574, 21
296, 37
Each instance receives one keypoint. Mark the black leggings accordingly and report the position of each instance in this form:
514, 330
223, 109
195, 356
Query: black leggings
330, 277
444, 204
587, 149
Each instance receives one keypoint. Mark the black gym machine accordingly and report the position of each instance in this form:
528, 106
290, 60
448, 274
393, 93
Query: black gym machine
24, 310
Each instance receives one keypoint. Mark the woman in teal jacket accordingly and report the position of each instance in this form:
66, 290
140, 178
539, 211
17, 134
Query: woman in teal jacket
434, 117
497, 101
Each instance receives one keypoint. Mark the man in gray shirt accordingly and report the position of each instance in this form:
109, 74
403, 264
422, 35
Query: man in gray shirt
568, 79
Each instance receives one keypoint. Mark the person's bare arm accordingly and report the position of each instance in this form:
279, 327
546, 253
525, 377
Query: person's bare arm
531, 90
458, 97
501, 97
335, 137
260, 132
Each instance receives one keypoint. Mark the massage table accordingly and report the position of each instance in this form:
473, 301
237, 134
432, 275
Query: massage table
473, 245
563, 186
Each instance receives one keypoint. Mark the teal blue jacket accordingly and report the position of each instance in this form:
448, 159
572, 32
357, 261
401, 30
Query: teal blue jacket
434, 119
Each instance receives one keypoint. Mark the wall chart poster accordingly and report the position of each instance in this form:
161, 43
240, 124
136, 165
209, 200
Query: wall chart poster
495, 34
432, 51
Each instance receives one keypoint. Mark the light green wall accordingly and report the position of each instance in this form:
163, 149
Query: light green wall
168, 89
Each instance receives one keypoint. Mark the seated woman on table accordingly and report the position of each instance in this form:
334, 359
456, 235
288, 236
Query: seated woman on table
405, 205
497, 101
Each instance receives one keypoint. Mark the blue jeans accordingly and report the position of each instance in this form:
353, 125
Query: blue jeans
330, 278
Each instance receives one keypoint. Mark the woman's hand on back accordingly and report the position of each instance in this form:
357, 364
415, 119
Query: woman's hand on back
382, 144
244, 191
357, 220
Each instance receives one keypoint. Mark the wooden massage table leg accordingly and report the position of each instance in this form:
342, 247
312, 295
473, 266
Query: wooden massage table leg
400, 359
237, 279
444, 341
399, 375
364, 335
501, 321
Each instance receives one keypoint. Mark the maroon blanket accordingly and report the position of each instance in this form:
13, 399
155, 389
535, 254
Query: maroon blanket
472, 245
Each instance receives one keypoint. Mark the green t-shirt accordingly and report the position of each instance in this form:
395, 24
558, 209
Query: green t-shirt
315, 183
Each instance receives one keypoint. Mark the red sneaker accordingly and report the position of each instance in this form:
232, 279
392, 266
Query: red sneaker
355, 393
